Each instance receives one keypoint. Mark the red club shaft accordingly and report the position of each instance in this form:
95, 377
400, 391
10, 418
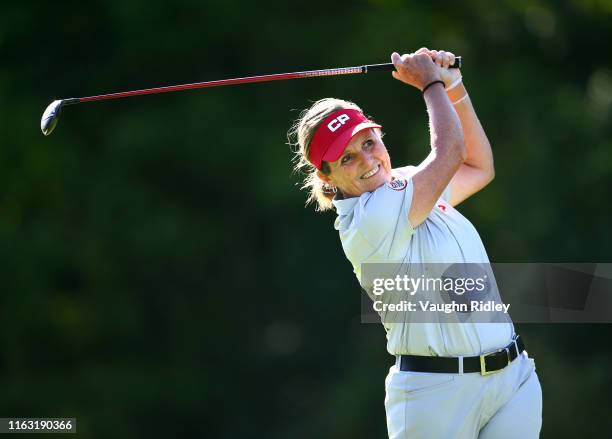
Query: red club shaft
52, 112
249, 79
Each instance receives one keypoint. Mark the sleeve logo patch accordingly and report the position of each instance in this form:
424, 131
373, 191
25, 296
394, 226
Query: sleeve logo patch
398, 184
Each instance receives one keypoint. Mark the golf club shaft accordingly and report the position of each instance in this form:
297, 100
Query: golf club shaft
261, 78
52, 112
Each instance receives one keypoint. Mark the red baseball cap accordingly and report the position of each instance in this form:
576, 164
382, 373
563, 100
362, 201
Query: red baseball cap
334, 133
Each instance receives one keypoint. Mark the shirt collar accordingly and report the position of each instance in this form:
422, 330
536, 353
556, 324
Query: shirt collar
345, 206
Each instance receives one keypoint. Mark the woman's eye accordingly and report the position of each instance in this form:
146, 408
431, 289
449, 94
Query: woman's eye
369, 143
346, 158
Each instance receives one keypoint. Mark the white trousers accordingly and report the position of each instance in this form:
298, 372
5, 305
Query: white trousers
505, 404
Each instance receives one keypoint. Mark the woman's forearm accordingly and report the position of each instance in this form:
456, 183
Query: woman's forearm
479, 153
445, 128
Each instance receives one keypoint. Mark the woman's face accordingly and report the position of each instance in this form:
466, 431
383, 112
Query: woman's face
364, 166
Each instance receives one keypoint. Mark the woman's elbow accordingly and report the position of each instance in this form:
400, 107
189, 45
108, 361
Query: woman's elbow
491, 172
489, 175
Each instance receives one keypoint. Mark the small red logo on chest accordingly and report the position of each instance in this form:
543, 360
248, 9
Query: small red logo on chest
442, 207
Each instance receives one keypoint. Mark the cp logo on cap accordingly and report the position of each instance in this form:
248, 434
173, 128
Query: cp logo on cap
336, 123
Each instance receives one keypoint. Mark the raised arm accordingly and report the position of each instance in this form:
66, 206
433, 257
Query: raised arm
447, 145
477, 170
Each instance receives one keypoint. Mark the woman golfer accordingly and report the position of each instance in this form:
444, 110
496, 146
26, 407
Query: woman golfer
450, 380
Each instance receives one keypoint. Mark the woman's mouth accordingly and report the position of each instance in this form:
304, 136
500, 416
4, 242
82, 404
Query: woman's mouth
371, 172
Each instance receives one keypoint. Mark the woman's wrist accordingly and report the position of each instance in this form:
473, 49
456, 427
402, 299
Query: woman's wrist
458, 101
454, 83
431, 84
457, 92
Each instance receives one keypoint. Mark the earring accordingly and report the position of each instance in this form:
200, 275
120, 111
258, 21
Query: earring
329, 188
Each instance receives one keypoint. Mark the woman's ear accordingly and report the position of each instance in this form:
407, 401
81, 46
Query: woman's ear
323, 177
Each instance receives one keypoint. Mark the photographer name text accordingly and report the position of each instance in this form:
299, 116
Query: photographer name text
447, 308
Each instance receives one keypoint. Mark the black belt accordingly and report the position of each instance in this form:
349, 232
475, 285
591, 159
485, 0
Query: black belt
485, 363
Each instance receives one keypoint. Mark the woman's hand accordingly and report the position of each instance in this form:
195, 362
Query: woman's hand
443, 60
413, 69
416, 69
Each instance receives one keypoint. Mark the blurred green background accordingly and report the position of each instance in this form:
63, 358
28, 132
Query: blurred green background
160, 274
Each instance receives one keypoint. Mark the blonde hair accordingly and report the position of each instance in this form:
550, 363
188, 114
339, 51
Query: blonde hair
300, 135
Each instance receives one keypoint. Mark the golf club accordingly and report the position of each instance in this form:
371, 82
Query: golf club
52, 113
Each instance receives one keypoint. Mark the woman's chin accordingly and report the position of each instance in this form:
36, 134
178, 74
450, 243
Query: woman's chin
375, 181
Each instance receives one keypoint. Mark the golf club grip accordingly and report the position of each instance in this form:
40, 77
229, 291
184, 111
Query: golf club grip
388, 67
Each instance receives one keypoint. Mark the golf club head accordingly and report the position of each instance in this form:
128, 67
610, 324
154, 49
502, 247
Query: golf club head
51, 116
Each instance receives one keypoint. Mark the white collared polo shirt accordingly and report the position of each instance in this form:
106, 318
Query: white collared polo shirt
374, 228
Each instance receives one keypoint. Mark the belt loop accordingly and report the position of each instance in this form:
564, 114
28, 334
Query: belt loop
516, 348
460, 365
398, 361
